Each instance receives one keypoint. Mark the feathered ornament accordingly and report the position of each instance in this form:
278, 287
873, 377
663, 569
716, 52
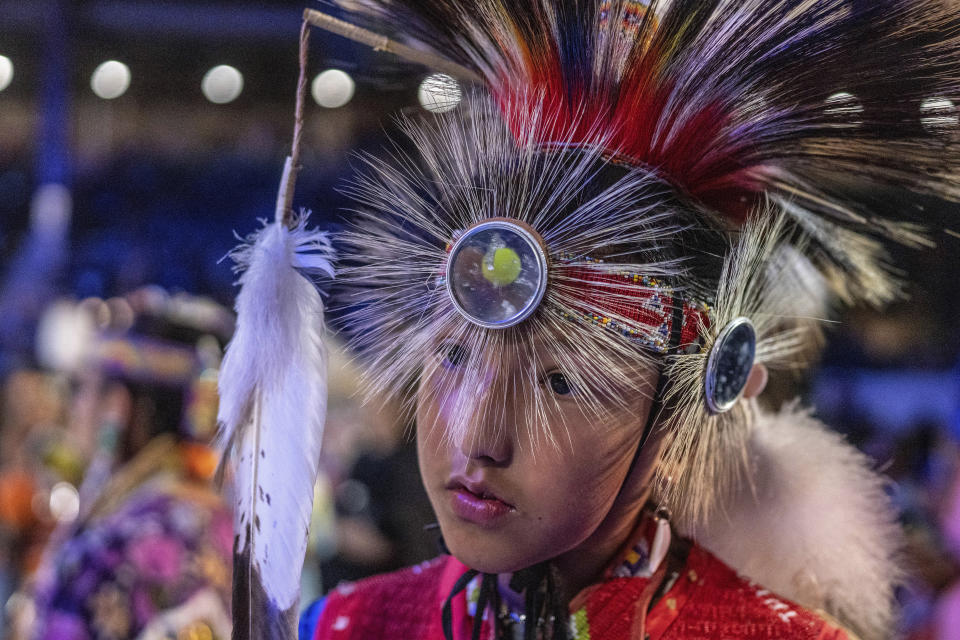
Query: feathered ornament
273, 394
609, 231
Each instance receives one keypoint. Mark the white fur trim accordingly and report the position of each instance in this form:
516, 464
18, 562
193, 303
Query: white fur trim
812, 523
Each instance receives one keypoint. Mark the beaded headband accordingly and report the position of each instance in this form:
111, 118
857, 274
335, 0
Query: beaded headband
497, 273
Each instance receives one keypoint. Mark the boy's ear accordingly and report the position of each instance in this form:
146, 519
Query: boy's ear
756, 382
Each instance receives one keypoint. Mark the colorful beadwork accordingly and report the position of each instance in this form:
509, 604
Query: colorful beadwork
633, 15
647, 318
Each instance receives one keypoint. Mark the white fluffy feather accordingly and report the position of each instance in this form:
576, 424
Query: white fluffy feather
272, 408
812, 523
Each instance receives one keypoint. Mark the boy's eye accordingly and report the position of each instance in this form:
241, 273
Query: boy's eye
454, 355
558, 383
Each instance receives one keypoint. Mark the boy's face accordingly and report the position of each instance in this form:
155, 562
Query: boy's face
503, 501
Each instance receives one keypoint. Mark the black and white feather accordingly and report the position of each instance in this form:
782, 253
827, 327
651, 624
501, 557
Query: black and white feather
273, 394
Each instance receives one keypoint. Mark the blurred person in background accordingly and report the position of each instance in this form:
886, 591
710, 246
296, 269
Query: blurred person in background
923, 463
370, 470
34, 456
144, 543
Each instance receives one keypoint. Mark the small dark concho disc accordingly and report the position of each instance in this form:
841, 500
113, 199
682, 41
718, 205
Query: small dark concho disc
729, 364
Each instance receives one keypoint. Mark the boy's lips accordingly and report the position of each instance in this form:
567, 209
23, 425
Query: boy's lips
475, 502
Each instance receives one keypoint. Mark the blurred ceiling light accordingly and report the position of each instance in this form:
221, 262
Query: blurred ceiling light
6, 72
332, 88
110, 80
439, 93
64, 502
64, 335
938, 114
844, 105
222, 84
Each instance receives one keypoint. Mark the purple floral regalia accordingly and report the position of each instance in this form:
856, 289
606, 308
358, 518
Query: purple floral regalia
154, 563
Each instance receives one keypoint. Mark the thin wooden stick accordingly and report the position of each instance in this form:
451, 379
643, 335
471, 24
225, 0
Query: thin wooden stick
382, 43
288, 182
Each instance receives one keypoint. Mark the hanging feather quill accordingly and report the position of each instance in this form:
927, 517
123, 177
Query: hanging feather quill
273, 393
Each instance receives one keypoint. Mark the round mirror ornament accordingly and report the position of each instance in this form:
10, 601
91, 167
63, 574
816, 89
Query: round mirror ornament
497, 273
729, 364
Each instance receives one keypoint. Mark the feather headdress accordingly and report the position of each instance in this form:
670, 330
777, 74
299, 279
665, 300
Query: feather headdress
663, 160
811, 103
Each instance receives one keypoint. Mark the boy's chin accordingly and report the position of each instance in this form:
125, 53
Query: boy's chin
488, 558
485, 564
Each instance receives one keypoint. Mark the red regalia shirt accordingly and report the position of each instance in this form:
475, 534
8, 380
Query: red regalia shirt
706, 600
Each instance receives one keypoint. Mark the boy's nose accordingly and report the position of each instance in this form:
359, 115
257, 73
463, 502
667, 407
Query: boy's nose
487, 446
487, 434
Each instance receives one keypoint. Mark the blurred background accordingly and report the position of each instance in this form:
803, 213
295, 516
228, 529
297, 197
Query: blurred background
136, 139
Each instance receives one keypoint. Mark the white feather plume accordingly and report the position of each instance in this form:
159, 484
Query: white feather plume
272, 407
812, 523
